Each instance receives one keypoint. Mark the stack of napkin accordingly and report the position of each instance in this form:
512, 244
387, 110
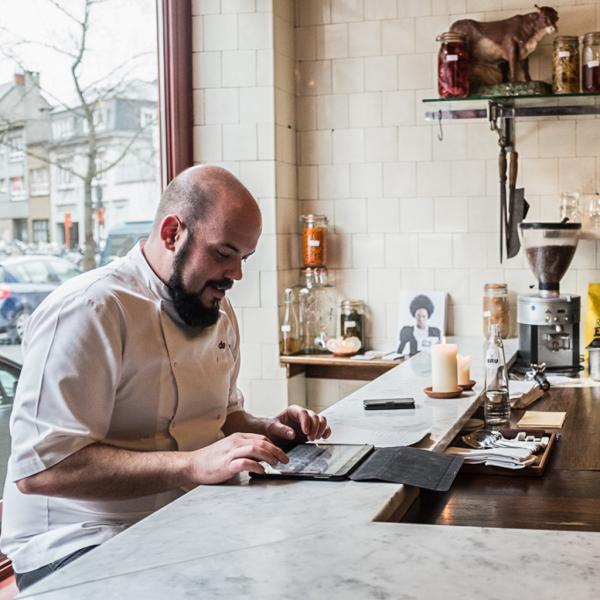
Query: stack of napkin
508, 458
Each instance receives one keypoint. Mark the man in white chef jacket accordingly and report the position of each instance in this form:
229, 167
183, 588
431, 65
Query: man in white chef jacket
128, 394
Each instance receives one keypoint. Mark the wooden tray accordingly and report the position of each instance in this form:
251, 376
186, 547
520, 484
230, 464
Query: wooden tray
535, 470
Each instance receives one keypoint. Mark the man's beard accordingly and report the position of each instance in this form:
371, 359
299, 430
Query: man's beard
189, 306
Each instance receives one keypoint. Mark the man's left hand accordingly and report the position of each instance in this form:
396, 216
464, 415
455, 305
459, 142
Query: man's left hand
297, 425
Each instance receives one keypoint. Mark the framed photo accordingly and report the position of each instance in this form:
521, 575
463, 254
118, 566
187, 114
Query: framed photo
422, 320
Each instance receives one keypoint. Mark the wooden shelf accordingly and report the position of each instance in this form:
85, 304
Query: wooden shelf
327, 366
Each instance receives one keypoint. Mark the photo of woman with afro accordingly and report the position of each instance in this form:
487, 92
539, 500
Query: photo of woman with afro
420, 335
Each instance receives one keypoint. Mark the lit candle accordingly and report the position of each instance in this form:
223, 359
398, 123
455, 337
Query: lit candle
464, 366
443, 368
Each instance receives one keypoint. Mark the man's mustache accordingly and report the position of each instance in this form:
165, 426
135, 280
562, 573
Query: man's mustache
225, 284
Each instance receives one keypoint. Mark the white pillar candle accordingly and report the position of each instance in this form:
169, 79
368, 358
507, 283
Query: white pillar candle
464, 369
443, 368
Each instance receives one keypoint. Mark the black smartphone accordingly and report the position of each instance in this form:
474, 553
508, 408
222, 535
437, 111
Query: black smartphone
388, 403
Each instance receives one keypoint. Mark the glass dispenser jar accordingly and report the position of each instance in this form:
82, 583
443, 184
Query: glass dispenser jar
591, 62
565, 65
453, 65
495, 309
318, 302
314, 240
352, 320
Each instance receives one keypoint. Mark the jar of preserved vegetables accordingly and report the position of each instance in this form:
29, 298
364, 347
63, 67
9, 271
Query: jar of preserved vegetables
591, 62
453, 65
565, 65
495, 308
314, 240
352, 320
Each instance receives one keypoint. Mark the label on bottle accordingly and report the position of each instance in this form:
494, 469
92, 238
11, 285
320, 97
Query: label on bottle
492, 358
451, 57
563, 54
314, 242
348, 324
286, 328
487, 314
593, 63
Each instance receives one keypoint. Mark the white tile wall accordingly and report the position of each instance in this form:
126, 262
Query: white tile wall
406, 210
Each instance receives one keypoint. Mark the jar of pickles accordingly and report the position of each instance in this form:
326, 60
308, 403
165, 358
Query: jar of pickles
495, 308
453, 65
352, 320
314, 240
591, 62
565, 65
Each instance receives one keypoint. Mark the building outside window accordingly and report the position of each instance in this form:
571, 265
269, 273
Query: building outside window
63, 128
38, 182
147, 117
40, 229
3, 185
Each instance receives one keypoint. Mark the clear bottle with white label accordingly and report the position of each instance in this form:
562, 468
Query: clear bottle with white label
496, 397
289, 338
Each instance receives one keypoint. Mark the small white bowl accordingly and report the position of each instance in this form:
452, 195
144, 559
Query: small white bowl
343, 347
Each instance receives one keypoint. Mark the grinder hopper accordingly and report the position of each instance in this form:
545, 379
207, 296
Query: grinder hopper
549, 248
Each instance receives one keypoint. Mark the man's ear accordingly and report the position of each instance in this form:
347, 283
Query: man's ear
171, 229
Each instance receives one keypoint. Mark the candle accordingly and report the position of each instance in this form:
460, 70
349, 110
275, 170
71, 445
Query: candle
464, 366
443, 368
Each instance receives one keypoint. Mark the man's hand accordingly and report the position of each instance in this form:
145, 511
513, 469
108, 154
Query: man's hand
297, 424
233, 454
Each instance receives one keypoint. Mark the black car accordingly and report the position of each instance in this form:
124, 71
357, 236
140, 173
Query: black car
24, 282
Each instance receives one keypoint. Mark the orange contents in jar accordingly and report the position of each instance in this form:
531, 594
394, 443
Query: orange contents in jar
314, 240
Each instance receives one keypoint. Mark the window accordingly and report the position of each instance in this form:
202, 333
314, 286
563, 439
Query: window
63, 269
100, 120
62, 128
100, 164
64, 173
17, 189
15, 147
41, 231
38, 182
20, 230
148, 117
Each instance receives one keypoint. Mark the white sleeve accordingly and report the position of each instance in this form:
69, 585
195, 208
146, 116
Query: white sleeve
235, 401
66, 392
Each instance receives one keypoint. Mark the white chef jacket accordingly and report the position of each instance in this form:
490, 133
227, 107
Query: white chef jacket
107, 359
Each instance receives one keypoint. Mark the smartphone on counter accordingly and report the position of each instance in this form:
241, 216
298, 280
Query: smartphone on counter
388, 403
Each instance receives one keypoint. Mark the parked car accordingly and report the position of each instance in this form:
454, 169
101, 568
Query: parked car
24, 282
123, 238
9, 375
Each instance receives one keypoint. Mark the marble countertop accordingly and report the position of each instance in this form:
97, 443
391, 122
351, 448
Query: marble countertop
303, 539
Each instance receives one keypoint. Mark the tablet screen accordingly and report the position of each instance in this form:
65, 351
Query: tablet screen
320, 460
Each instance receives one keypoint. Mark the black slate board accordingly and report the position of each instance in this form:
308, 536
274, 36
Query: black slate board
411, 466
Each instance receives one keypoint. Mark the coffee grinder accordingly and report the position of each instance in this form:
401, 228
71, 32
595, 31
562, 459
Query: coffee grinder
549, 321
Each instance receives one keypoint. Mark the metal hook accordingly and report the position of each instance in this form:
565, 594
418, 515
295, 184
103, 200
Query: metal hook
440, 135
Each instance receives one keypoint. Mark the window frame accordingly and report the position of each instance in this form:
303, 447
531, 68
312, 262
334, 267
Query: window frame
174, 20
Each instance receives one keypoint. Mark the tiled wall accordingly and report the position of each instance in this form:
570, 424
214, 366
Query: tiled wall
410, 211
350, 140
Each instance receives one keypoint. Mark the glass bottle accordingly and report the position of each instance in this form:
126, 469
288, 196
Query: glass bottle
318, 305
453, 65
314, 240
496, 309
352, 320
496, 397
591, 62
565, 64
289, 342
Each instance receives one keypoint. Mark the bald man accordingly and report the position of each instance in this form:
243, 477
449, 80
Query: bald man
128, 394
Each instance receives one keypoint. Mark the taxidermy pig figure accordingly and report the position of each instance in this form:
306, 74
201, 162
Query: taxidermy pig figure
495, 44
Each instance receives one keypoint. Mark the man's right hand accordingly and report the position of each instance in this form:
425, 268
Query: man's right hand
233, 454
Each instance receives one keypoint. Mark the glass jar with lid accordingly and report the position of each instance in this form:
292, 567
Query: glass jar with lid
314, 240
496, 309
453, 65
591, 62
352, 320
565, 64
318, 302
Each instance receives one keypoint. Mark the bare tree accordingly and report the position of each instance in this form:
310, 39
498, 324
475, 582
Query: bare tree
89, 96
